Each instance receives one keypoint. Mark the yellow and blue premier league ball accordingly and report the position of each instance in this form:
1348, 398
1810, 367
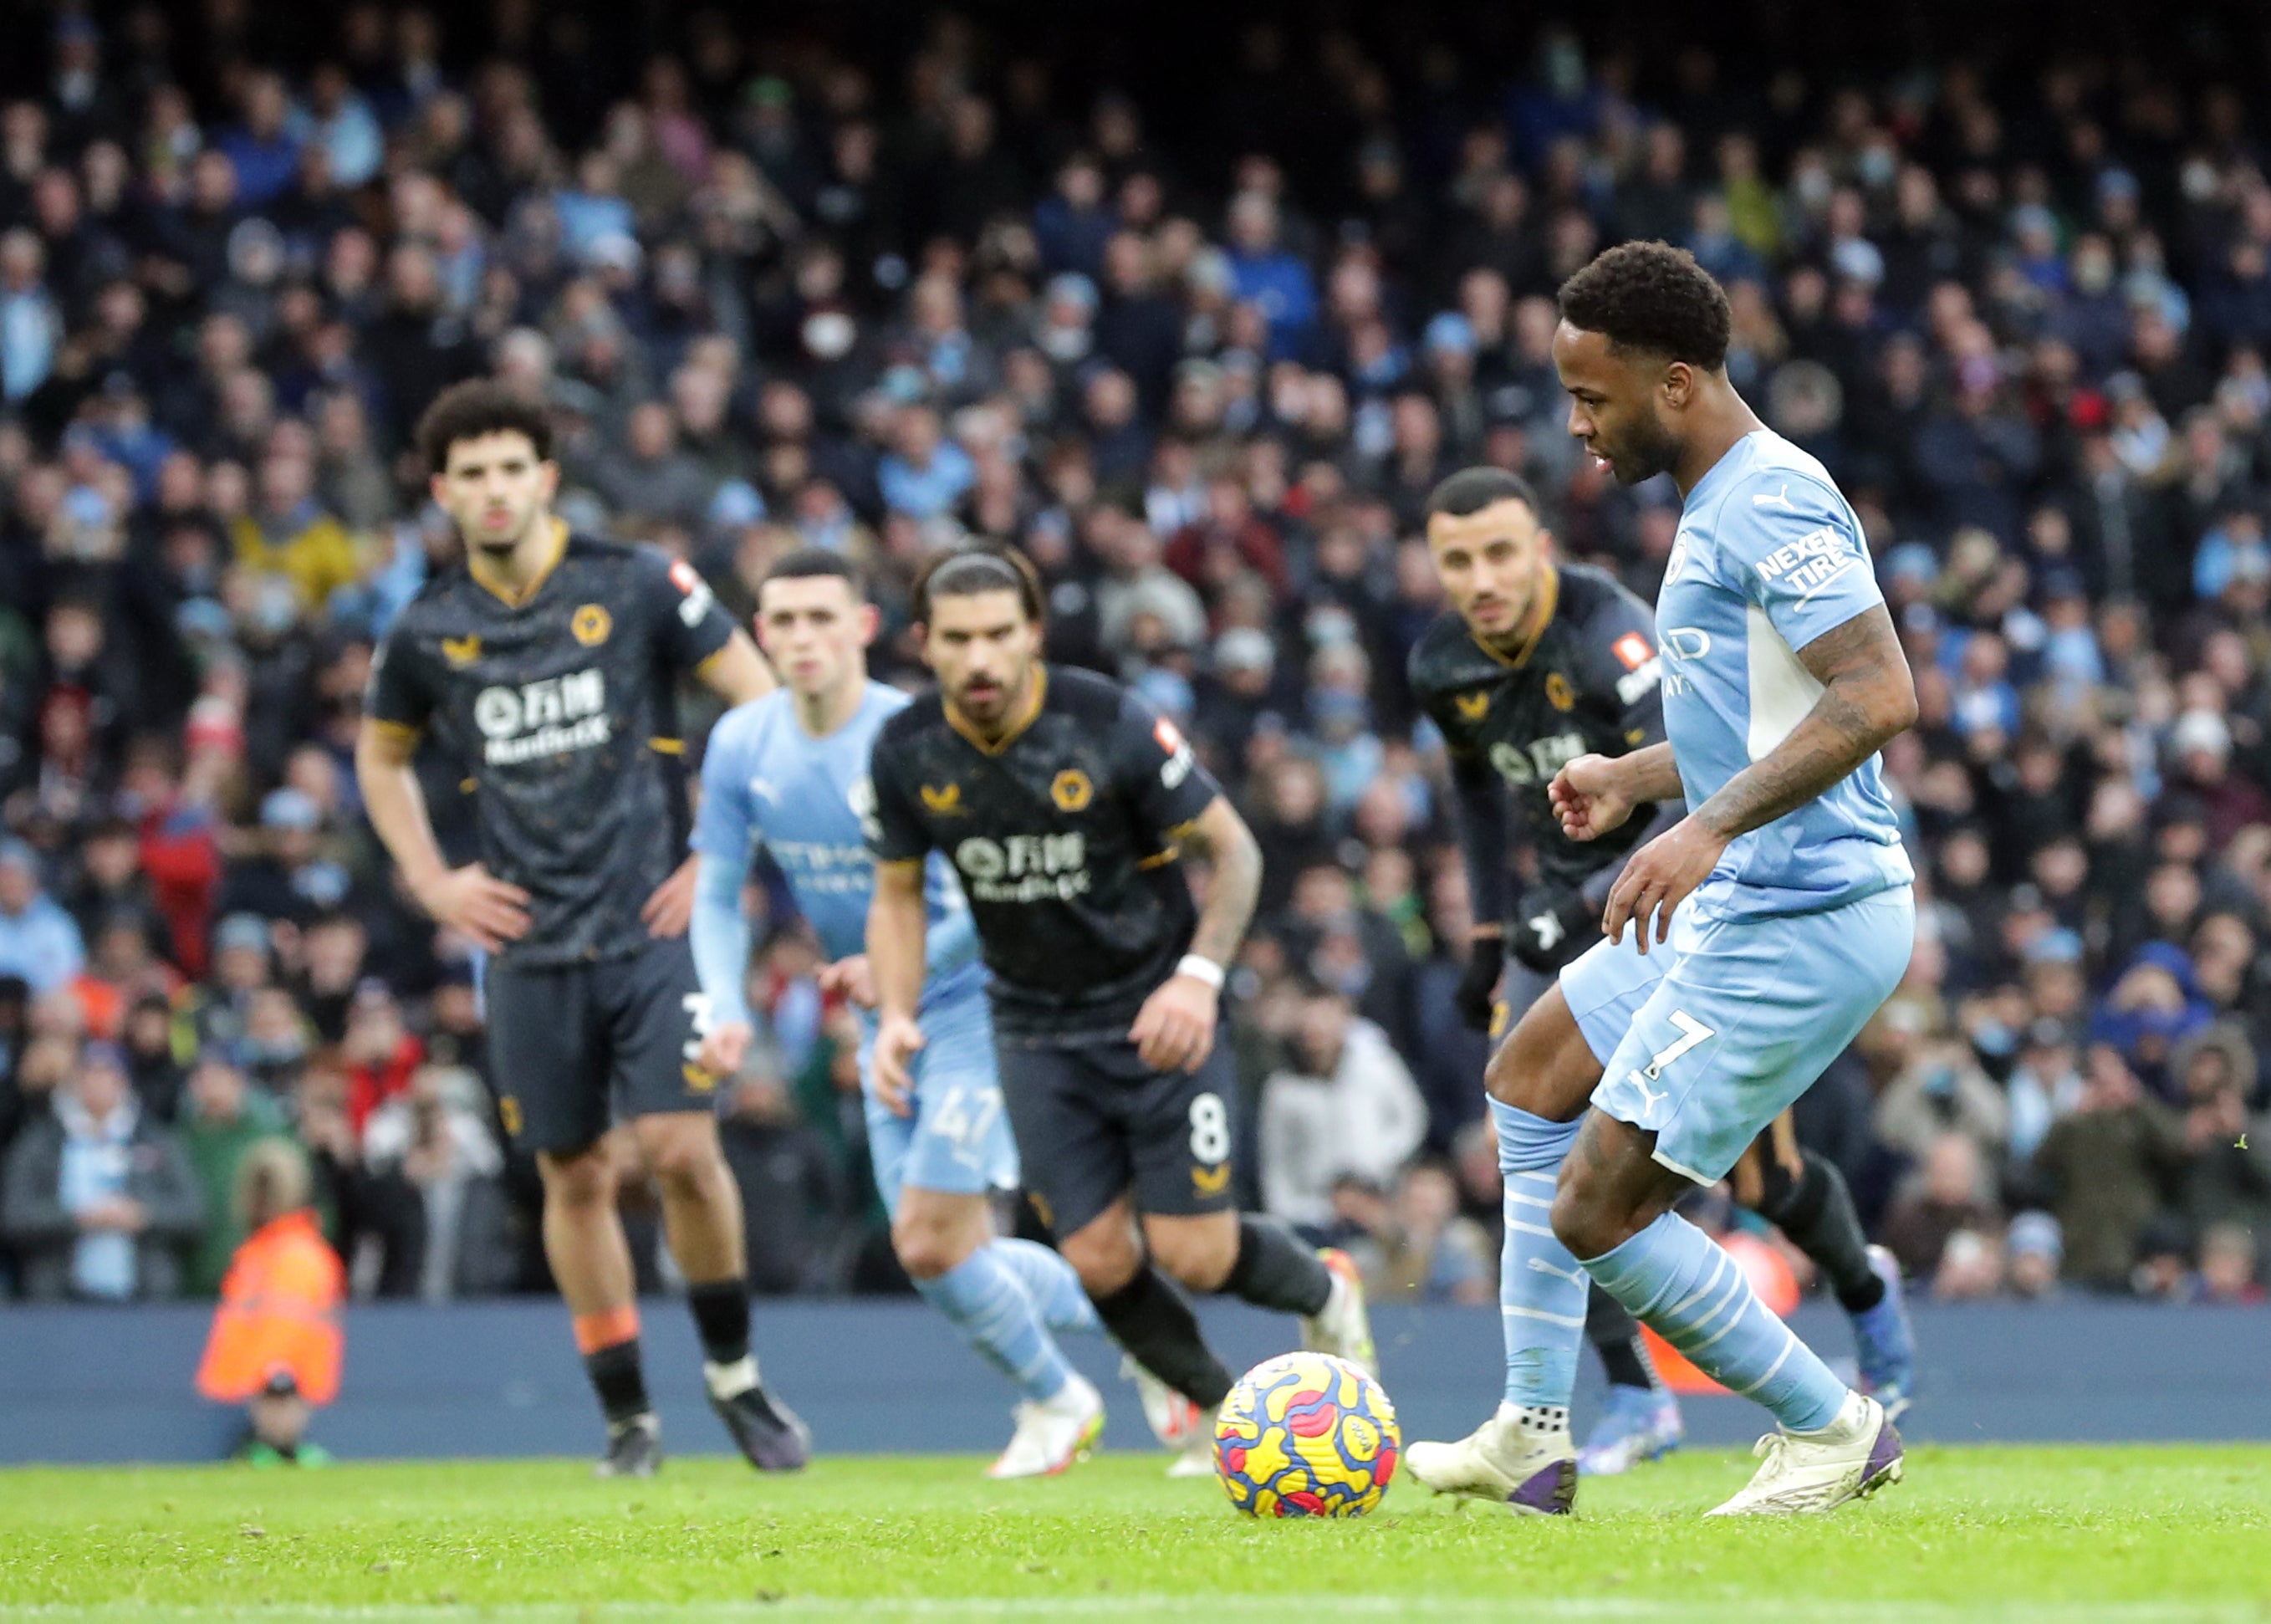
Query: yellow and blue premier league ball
1305, 1435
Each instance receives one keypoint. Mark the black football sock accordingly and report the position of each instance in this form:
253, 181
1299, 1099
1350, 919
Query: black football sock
1816, 1209
1615, 1337
1275, 1270
618, 1380
1152, 1323
721, 1314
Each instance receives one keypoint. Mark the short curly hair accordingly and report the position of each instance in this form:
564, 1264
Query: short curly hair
475, 407
1652, 297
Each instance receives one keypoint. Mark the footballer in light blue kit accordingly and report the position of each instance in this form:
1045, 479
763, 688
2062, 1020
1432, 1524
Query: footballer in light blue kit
1747, 946
791, 771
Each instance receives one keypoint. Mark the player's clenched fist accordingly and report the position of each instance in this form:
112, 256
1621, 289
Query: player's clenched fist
898, 1042
851, 979
1588, 797
1174, 1029
474, 903
725, 1048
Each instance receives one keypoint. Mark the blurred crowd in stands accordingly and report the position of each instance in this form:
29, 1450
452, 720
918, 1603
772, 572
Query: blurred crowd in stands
1200, 336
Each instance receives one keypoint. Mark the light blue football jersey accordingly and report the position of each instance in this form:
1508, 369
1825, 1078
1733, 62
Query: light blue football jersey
1768, 557
807, 800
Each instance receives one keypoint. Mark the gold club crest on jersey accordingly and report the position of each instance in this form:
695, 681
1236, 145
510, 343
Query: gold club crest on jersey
1559, 693
1072, 791
942, 802
461, 650
1472, 707
591, 624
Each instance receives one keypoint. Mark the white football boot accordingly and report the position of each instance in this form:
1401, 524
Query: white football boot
1805, 1473
1531, 1470
1343, 1327
1052, 1435
1195, 1458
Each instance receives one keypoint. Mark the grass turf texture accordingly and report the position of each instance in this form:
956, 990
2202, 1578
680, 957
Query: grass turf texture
2056, 1533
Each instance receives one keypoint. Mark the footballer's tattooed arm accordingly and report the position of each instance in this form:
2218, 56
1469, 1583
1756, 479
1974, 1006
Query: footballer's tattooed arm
1868, 697
1221, 840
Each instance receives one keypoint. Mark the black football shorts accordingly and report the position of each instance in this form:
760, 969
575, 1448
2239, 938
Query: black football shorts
1093, 1122
576, 1048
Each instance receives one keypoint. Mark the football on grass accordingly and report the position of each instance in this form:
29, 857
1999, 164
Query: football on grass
1305, 1435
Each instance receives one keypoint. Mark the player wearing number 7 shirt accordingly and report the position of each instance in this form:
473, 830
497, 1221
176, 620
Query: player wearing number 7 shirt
1766, 926
1066, 803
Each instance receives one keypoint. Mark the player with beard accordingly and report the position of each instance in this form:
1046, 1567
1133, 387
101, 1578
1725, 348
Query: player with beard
549, 664
1535, 663
1065, 803
791, 771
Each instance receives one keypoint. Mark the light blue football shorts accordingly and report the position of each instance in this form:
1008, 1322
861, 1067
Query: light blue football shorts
957, 1141
1713, 1034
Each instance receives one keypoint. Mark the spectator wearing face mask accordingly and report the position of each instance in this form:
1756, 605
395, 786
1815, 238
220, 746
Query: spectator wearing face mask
1344, 1103
38, 940
2106, 1169
98, 1200
227, 1116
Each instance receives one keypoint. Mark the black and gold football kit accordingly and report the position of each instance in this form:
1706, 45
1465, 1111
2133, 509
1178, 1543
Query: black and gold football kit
561, 704
1064, 832
1584, 682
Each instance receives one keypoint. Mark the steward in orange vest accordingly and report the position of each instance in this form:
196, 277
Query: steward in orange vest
276, 1341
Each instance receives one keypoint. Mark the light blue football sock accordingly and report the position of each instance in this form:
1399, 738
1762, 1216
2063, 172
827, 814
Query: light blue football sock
1541, 1289
1052, 1283
989, 1305
1688, 1288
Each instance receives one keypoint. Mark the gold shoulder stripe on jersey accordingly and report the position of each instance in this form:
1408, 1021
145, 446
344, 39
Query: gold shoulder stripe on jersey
592, 623
945, 802
1471, 707
461, 650
1559, 693
1072, 791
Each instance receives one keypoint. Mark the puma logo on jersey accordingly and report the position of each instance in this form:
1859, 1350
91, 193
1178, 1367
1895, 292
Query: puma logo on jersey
945, 802
461, 650
1780, 499
1471, 707
1648, 1096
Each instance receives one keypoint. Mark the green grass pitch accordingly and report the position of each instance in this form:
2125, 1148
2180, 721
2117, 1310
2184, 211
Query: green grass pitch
2052, 1534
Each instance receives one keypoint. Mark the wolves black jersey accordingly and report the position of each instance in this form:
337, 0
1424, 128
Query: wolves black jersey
563, 708
1064, 834
1586, 685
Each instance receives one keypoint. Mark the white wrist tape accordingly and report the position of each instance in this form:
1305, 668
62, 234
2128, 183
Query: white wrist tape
1200, 969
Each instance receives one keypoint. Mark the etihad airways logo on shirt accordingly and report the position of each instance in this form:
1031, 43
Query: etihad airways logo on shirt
1024, 868
550, 717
